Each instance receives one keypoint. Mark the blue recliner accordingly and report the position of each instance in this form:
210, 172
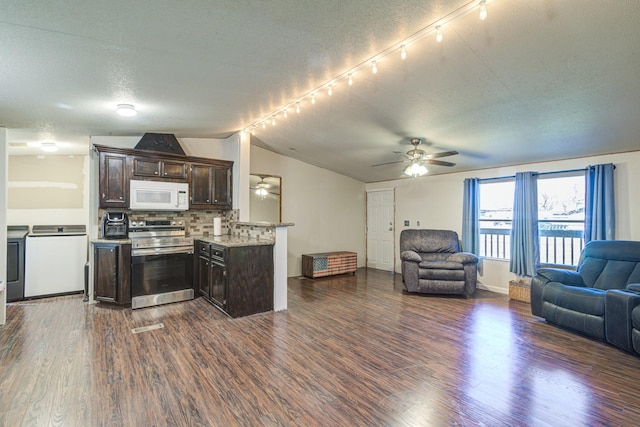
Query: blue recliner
576, 299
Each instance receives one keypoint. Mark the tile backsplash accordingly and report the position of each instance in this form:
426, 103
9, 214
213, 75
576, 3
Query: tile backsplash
252, 231
196, 221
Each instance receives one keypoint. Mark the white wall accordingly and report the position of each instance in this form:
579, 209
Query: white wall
41, 215
328, 209
436, 201
3, 221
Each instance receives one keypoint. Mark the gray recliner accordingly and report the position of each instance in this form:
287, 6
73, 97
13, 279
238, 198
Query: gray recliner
432, 263
576, 299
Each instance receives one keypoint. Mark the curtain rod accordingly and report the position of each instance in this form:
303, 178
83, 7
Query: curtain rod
535, 173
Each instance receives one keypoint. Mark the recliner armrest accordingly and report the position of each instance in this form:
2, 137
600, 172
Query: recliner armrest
463, 258
635, 287
566, 277
411, 256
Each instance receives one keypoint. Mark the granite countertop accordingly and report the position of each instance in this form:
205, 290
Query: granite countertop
232, 241
264, 223
114, 241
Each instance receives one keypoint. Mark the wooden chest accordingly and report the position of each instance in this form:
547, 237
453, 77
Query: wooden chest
329, 264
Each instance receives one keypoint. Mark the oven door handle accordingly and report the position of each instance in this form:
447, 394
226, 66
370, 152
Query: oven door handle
162, 251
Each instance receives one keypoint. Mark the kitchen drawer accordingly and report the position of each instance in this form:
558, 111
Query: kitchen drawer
217, 253
203, 248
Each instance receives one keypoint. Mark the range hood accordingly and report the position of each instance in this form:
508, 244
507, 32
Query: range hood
160, 143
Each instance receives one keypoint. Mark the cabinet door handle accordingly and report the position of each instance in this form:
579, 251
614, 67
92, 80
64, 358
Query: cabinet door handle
208, 200
215, 201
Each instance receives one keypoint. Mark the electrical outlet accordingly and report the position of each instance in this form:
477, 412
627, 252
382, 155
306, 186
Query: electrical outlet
406, 223
418, 223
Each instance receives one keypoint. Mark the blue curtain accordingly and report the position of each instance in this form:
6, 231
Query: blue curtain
600, 221
525, 254
470, 216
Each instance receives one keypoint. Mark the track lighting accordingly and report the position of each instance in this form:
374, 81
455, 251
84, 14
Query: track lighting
435, 27
483, 10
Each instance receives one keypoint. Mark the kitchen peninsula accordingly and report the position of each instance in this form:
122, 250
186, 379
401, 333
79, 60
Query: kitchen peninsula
235, 273
278, 232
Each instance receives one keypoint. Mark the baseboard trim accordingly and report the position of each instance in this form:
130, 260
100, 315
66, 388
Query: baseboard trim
496, 289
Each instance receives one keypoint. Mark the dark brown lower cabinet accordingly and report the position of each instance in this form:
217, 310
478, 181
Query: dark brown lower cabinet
238, 279
112, 272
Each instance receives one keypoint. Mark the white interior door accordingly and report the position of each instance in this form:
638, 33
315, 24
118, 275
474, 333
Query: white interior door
380, 230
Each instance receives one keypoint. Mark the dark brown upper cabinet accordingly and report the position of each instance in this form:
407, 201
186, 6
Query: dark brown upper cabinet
113, 181
210, 186
209, 179
153, 168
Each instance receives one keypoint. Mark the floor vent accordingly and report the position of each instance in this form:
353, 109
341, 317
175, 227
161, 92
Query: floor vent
147, 328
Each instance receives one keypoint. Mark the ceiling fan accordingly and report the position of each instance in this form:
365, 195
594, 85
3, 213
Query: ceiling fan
262, 188
417, 157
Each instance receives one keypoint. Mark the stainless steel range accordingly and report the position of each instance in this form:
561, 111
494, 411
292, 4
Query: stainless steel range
161, 263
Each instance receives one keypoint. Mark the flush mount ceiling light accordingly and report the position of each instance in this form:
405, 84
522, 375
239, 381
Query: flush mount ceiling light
49, 147
126, 110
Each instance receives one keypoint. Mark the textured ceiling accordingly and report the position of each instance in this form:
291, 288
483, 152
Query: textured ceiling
535, 81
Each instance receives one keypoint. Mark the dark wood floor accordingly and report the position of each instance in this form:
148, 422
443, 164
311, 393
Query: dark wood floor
350, 351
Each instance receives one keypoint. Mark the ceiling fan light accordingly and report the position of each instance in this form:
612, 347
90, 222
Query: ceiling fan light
126, 110
415, 169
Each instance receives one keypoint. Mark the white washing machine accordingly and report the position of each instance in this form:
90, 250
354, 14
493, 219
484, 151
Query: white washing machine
55, 256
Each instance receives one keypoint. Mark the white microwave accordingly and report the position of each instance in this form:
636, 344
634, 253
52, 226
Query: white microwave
159, 196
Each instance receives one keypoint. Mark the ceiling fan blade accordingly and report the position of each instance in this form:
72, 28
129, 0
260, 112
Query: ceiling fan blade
390, 163
439, 162
441, 154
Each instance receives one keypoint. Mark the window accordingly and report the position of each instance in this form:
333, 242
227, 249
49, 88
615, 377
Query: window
561, 201
496, 213
561, 218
